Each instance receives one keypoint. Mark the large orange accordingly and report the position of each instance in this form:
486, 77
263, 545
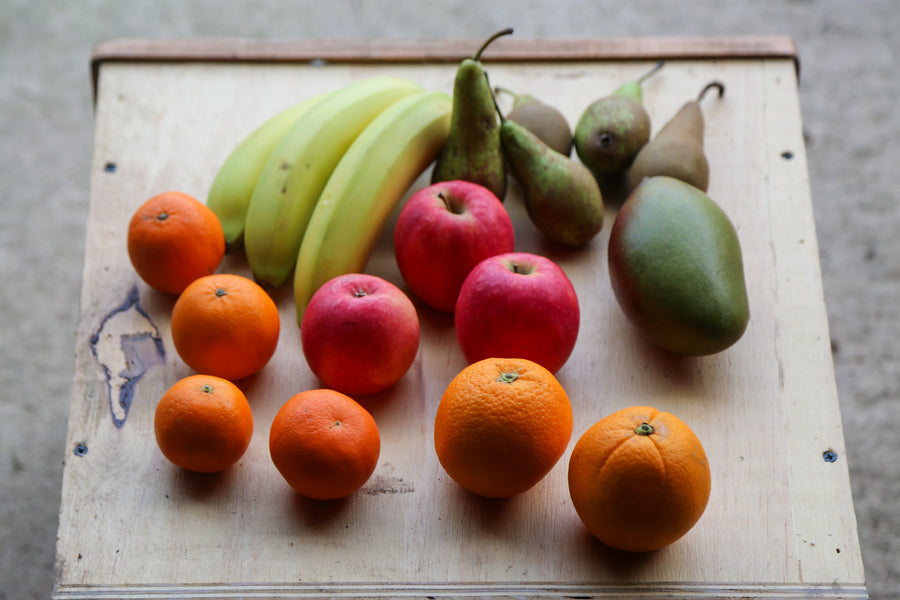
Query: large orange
203, 423
225, 325
501, 425
173, 239
324, 444
639, 479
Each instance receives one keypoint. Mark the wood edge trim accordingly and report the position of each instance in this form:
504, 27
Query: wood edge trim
469, 591
242, 50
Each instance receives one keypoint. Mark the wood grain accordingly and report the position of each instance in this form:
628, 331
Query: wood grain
780, 522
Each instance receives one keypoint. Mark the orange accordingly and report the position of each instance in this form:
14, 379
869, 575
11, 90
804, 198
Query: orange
203, 423
639, 479
501, 425
173, 239
225, 325
324, 444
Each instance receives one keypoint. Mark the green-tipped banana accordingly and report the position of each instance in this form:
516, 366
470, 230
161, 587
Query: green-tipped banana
371, 178
229, 194
299, 167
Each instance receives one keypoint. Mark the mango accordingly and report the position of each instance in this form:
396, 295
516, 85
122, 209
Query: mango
676, 268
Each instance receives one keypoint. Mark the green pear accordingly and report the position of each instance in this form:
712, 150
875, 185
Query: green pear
561, 195
472, 151
677, 150
541, 119
676, 268
612, 130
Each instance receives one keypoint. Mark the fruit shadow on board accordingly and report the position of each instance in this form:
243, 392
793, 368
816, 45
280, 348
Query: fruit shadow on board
234, 261
395, 398
560, 254
489, 515
680, 370
614, 189
197, 487
628, 566
434, 325
435, 322
319, 515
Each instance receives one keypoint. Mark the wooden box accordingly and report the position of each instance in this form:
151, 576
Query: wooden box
780, 521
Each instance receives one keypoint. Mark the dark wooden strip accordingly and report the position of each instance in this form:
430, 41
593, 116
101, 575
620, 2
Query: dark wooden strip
440, 51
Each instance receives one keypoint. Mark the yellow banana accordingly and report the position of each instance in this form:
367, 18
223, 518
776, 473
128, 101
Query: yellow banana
299, 167
229, 194
368, 182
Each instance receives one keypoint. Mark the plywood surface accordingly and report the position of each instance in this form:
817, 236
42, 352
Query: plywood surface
780, 521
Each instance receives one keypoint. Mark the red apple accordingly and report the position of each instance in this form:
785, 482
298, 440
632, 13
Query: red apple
360, 334
442, 232
518, 305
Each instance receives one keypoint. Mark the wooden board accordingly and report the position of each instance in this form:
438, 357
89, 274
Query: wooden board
780, 521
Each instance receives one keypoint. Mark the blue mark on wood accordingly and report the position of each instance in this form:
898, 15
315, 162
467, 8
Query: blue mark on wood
127, 344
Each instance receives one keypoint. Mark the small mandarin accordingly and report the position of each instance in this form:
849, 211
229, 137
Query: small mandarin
225, 325
639, 479
173, 239
324, 444
203, 423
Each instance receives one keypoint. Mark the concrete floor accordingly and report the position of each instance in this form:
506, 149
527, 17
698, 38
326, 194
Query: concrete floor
848, 96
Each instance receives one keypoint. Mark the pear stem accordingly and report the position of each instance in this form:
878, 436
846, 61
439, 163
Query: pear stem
494, 98
501, 33
503, 90
712, 84
656, 67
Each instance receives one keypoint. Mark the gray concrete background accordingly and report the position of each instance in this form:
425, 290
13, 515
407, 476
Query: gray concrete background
848, 92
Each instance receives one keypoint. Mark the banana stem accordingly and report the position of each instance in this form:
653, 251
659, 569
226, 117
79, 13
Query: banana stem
712, 84
487, 42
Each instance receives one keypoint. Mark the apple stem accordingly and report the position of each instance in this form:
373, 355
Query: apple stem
359, 293
453, 207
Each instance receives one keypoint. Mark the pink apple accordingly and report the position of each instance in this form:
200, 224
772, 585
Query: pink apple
442, 232
518, 305
360, 334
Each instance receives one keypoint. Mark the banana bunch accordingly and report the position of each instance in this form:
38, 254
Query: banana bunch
309, 191
365, 186
231, 189
298, 169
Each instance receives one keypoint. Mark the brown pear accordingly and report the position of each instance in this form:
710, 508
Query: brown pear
677, 150
541, 119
